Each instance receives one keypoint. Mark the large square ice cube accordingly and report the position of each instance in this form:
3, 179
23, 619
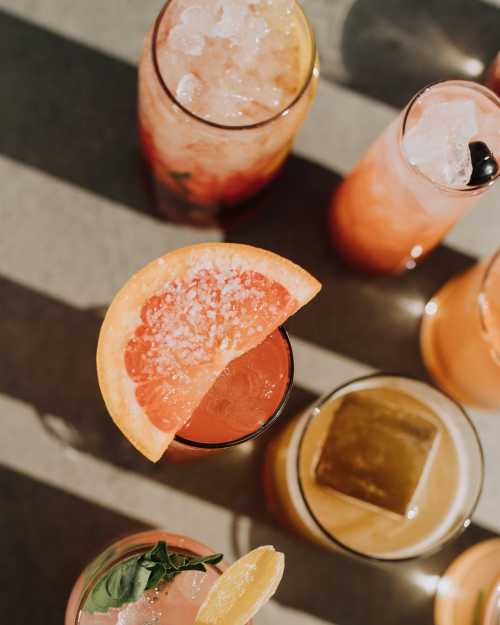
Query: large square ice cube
376, 451
438, 144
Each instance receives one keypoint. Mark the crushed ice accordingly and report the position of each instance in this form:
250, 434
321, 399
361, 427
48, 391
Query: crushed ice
184, 39
438, 144
188, 88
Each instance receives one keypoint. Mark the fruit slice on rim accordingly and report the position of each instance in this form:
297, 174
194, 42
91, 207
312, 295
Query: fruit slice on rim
241, 591
177, 323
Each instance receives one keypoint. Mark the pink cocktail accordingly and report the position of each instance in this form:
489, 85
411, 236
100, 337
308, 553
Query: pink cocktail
172, 603
244, 402
460, 336
223, 87
419, 178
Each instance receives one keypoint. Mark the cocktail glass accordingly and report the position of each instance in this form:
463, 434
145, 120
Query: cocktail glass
460, 335
216, 118
469, 591
397, 205
176, 603
246, 400
444, 500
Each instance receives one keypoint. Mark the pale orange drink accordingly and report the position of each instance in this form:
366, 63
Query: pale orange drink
385, 467
419, 178
223, 87
460, 335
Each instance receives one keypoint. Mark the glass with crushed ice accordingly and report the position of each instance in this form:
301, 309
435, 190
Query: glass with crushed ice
223, 87
418, 178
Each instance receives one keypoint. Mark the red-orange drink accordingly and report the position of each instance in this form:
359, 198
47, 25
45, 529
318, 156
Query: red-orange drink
417, 179
244, 401
460, 336
223, 88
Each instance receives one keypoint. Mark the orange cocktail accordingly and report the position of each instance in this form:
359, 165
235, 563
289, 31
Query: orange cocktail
223, 87
384, 467
460, 336
419, 177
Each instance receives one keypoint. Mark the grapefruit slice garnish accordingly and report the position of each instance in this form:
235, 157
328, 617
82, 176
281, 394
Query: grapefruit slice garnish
241, 591
178, 322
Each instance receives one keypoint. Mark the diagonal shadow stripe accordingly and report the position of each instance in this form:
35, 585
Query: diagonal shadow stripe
69, 111
389, 50
47, 536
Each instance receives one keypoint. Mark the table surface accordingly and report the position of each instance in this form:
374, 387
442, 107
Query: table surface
75, 224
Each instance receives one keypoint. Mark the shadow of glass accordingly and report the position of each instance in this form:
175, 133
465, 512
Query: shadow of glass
44, 551
388, 49
339, 589
374, 320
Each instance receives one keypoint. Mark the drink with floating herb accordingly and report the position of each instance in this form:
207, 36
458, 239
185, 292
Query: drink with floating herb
151, 577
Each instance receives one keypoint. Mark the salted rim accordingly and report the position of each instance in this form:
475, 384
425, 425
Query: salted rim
330, 536
282, 113
482, 302
464, 84
267, 424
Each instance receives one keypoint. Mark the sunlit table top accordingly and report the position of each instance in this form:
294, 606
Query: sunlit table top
75, 223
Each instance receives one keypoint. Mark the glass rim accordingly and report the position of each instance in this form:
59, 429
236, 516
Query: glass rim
267, 424
483, 301
140, 542
466, 84
282, 113
355, 552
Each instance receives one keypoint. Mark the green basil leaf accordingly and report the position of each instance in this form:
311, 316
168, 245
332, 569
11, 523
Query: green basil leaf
159, 553
128, 580
115, 588
157, 576
139, 585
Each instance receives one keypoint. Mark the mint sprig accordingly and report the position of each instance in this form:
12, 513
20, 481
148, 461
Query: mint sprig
128, 580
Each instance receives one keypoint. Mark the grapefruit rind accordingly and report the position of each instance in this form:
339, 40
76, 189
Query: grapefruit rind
243, 589
123, 317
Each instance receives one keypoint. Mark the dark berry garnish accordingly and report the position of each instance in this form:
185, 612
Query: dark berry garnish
484, 165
